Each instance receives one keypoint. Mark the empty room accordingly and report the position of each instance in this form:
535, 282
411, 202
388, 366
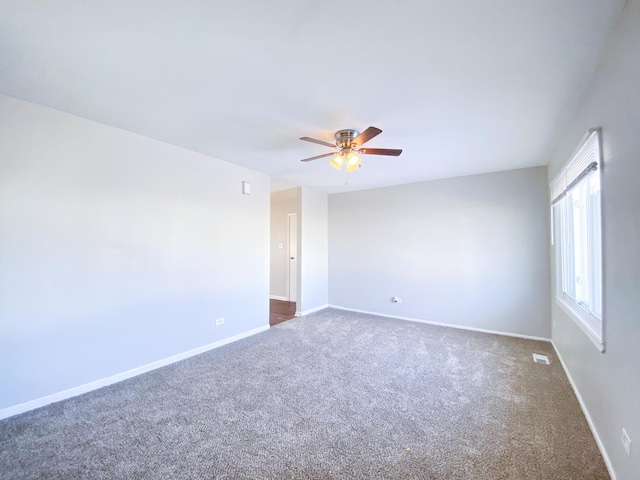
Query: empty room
319, 240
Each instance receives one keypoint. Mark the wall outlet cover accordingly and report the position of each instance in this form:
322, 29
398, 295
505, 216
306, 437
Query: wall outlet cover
219, 321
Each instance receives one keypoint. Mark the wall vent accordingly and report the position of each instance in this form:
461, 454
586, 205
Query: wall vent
538, 358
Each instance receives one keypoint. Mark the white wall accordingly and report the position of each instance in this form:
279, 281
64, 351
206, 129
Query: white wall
117, 250
470, 251
609, 383
313, 250
283, 203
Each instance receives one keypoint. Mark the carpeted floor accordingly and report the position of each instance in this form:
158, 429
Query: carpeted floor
332, 395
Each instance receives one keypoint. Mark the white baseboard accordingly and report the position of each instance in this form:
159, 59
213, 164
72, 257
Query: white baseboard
449, 325
87, 387
277, 297
311, 310
603, 451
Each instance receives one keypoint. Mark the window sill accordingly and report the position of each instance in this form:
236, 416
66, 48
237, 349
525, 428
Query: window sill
583, 319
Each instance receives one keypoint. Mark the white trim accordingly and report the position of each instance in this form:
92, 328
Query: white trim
581, 319
592, 426
278, 297
312, 310
459, 327
87, 387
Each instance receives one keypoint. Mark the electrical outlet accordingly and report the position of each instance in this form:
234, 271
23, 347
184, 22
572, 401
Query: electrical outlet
396, 299
219, 321
626, 442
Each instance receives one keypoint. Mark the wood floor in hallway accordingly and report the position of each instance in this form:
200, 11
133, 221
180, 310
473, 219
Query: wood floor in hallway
281, 311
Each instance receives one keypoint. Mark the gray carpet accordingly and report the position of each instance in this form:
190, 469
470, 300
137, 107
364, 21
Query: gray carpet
332, 395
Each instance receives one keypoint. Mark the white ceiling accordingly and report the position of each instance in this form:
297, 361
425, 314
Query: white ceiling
463, 86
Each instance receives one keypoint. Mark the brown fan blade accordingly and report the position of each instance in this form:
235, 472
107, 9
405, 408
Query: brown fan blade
394, 152
318, 156
320, 142
367, 135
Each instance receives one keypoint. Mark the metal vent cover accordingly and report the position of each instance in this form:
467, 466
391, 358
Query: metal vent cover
539, 358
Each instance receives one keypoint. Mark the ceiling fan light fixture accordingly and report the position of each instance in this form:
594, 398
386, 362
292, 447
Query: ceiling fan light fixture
353, 162
337, 161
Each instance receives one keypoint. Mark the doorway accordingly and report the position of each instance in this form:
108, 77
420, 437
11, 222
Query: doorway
284, 276
285, 309
292, 255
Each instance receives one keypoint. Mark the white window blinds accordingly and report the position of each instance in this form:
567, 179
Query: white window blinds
586, 159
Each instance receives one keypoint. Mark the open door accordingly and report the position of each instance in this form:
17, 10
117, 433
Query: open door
293, 257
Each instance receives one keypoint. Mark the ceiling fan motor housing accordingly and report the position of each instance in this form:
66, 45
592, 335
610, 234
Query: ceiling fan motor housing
345, 138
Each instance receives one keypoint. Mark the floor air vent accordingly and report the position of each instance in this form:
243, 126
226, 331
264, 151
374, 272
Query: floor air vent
541, 359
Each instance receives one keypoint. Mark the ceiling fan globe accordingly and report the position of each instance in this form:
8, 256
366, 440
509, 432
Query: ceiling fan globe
353, 162
337, 161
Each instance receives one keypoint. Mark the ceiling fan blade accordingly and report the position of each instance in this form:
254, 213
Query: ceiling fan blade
394, 152
321, 142
317, 157
367, 135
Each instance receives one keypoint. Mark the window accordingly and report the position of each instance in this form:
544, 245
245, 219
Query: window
577, 238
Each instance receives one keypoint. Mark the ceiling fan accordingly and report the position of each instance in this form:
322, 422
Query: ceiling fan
348, 148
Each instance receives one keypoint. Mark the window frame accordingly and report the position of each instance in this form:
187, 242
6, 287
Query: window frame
592, 325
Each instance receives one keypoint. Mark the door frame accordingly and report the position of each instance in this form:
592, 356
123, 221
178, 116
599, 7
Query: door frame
292, 252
